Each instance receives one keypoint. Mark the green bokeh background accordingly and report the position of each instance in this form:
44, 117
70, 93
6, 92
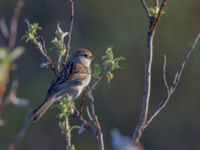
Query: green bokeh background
121, 24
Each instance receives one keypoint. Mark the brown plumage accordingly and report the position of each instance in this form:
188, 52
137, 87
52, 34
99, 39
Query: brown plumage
72, 81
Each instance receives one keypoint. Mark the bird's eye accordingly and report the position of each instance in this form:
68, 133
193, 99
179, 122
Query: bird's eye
85, 55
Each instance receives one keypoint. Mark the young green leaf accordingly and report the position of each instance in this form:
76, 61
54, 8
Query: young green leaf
109, 76
31, 32
97, 71
58, 40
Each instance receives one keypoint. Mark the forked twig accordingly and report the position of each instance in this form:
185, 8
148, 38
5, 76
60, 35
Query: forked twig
147, 72
40, 44
144, 4
147, 90
175, 82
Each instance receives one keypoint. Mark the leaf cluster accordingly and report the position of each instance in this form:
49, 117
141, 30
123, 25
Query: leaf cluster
109, 64
31, 32
58, 40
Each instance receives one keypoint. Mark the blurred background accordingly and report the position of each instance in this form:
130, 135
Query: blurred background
121, 24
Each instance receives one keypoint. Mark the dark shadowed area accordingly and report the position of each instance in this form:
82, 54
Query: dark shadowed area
120, 24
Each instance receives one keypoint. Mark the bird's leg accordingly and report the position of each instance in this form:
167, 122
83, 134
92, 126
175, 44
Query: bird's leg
79, 112
81, 108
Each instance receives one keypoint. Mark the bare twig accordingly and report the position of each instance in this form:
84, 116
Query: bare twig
155, 24
144, 4
4, 29
147, 73
164, 74
14, 24
86, 124
175, 82
94, 124
40, 44
156, 3
95, 121
68, 133
66, 53
147, 90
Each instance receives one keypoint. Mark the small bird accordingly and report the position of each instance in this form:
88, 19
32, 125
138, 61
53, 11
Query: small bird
72, 80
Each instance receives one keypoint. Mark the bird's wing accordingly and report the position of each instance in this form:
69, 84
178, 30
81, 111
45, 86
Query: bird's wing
75, 74
78, 72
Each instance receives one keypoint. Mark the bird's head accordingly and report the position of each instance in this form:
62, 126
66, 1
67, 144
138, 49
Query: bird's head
82, 56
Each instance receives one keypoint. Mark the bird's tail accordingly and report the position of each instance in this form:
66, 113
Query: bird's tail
37, 113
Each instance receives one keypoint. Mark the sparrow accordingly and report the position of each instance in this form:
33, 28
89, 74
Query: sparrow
71, 81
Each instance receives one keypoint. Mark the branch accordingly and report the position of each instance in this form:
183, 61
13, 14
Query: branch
14, 24
68, 133
175, 82
155, 24
147, 90
164, 74
95, 121
4, 29
84, 123
146, 8
91, 125
156, 3
66, 53
42, 48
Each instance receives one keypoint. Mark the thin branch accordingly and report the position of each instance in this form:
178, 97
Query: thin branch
155, 24
68, 133
147, 90
164, 74
86, 124
66, 53
4, 29
95, 121
40, 44
14, 24
144, 4
156, 3
175, 82
94, 124
88, 113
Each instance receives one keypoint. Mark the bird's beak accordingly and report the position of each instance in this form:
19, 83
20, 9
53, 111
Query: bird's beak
92, 57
